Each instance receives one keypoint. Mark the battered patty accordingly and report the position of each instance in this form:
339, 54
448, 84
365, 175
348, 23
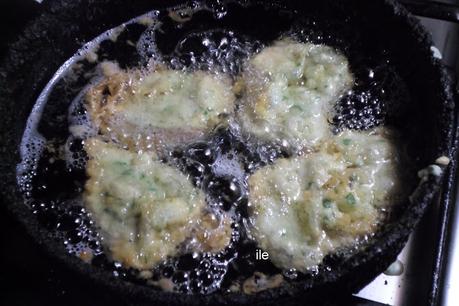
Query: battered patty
146, 209
144, 110
306, 207
289, 90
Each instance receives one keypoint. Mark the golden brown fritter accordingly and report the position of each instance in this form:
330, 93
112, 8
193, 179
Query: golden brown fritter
147, 110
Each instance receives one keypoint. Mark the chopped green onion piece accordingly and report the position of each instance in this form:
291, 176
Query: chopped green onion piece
346, 141
127, 172
327, 203
350, 199
207, 111
296, 107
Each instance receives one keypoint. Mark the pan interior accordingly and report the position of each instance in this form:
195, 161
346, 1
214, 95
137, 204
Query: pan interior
211, 37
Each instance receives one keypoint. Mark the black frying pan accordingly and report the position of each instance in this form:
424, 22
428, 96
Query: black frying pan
364, 30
